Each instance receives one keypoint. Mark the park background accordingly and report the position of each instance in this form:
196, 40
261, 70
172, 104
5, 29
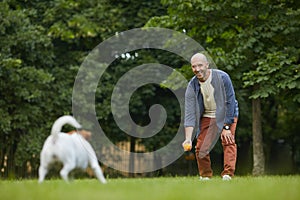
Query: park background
43, 44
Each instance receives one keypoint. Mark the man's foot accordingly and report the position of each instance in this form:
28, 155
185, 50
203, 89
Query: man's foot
226, 178
204, 178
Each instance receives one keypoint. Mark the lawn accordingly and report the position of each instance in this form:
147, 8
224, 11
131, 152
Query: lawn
242, 188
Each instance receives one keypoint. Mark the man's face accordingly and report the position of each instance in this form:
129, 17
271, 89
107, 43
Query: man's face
199, 68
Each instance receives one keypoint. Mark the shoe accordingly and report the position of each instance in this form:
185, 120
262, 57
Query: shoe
226, 178
204, 178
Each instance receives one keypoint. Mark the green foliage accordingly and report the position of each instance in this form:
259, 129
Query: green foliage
257, 43
140, 102
275, 73
43, 44
25, 78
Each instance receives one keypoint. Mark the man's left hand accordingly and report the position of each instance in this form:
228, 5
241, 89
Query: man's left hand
227, 137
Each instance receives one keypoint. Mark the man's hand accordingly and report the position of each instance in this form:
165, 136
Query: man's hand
187, 145
227, 137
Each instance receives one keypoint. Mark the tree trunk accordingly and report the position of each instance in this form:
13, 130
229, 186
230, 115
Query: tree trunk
258, 152
131, 157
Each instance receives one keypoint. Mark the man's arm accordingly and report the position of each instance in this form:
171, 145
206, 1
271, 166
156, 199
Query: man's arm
230, 100
190, 114
188, 133
226, 134
188, 136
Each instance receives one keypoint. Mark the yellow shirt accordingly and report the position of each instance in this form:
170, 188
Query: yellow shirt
207, 91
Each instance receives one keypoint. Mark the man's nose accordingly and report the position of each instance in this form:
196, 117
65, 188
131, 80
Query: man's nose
197, 68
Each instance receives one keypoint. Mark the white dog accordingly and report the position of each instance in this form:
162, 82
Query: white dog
72, 150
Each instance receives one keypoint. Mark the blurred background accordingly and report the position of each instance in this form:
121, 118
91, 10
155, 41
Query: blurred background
44, 42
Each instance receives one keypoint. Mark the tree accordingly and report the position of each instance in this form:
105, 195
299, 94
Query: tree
43, 44
246, 39
24, 78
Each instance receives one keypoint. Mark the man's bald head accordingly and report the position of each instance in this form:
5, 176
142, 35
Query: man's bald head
200, 66
199, 57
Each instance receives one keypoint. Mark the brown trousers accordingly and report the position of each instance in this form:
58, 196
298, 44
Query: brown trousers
229, 150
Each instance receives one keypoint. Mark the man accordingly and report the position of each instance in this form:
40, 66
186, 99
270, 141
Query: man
212, 110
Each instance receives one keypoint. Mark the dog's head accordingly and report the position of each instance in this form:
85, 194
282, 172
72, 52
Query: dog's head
86, 134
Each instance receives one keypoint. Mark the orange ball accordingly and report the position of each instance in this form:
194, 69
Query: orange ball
187, 147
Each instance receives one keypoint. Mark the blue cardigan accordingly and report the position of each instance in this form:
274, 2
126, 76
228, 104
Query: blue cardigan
226, 104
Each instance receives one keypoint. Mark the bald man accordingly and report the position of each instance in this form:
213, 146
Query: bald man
211, 110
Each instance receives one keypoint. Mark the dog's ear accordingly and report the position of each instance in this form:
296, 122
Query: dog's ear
71, 132
86, 134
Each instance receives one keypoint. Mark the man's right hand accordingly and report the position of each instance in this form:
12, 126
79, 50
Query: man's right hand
187, 145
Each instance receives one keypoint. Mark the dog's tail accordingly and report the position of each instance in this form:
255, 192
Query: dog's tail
60, 122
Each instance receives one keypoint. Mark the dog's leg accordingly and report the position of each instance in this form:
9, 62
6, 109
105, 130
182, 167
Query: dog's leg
97, 171
64, 172
42, 173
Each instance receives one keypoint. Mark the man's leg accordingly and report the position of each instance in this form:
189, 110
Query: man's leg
204, 164
230, 153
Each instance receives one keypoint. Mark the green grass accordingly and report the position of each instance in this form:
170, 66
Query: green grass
242, 188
